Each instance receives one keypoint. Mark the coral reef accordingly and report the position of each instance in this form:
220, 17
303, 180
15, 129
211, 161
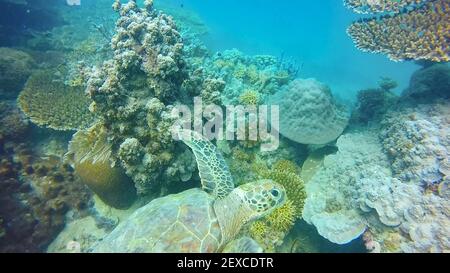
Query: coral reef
308, 112
373, 103
355, 192
52, 104
430, 82
35, 194
90, 152
260, 74
13, 125
15, 68
331, 200
373, 6
416, 139
135, 91
420, 33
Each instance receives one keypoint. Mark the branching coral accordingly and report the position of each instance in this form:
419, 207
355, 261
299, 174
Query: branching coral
422, 33
52, 104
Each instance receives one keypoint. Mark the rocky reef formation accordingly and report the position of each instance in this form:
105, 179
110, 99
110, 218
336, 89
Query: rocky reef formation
15, 68
135, 91
420, 32
429, 82
392, 186
308, 112
249, 79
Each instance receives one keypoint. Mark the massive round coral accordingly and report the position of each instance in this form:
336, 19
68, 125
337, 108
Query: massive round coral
308, 112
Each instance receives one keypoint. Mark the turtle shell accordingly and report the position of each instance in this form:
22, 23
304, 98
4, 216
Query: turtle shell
179, 223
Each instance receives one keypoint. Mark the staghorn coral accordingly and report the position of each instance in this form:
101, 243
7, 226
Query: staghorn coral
15, 68
90, 152
308, 112
52, 104
418, 34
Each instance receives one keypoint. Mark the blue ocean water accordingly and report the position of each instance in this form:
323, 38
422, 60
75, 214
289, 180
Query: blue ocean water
311, 33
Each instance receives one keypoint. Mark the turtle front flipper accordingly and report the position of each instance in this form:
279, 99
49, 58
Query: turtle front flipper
243, 245
214, 173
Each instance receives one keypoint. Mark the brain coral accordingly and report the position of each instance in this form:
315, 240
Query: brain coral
15, 68
52, 104
308, 112
421, 33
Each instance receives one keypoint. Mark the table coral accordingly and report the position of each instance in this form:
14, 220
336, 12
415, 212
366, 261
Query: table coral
52, 104
372, 6
421, 33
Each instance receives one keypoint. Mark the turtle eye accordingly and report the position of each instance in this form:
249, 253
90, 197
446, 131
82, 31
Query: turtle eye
275, 193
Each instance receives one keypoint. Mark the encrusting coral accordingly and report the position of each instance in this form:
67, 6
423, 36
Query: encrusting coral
90, 153
52, 104
420, 33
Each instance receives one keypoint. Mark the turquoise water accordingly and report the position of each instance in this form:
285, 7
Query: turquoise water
311, 33
232, 126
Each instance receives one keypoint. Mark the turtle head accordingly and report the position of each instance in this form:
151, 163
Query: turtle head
261, 197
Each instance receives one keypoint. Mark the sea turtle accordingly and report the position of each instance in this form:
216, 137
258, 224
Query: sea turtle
197, 220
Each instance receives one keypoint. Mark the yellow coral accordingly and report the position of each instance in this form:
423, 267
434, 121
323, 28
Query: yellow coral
249, 97
283, 218
286, 174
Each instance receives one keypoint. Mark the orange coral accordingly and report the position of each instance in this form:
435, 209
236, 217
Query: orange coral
421, 33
